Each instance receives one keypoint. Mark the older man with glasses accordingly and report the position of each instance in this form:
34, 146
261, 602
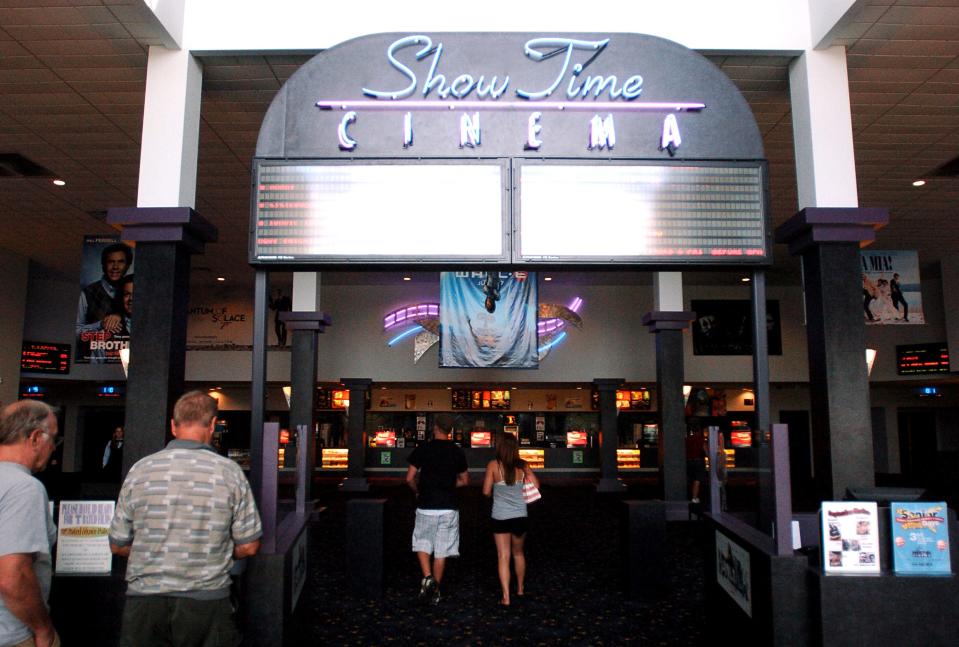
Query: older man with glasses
28, 437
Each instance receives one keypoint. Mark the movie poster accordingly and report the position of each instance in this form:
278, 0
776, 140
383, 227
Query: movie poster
105, 309
725, 327
488, 319
891, 290
920, 532
222, 319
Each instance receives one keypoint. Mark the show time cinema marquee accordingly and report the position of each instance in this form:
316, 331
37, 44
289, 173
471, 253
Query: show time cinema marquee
516, 149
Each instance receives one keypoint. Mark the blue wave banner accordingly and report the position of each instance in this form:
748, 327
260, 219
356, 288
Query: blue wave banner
488, 320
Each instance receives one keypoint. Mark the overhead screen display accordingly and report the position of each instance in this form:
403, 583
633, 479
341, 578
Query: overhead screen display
313, 212
319, 212
636, 213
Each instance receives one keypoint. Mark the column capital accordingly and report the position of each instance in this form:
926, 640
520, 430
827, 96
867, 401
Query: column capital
659, 320
817, 225
297, 320
164, 225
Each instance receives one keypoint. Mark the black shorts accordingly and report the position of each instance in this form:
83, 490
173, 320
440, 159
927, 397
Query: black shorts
517, 526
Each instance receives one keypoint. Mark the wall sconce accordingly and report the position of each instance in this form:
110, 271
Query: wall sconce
287, 393
125, 359
687, 390
870, 360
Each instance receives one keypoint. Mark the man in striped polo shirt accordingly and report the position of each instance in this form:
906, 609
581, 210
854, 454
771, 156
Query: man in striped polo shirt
183, 515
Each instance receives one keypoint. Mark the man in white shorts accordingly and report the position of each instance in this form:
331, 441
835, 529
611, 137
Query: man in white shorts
436, 470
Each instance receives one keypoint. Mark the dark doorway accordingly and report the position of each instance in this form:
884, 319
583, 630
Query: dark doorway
800, 463
917, 446
95, 430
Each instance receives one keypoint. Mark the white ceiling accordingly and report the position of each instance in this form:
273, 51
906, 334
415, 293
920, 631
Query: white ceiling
72, 76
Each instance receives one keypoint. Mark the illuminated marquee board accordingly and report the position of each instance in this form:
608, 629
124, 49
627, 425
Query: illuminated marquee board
44, 357
922, 359
370, 213
612, 213
643, 213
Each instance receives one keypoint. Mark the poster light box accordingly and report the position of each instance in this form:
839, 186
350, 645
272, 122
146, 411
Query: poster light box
379, 212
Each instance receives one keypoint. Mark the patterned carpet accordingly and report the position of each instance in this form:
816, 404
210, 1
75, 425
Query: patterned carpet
574, 594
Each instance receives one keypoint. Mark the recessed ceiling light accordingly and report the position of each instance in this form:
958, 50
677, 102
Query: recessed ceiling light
745, 279
919, 183
407, 278
547, 278
60, 182
221, 278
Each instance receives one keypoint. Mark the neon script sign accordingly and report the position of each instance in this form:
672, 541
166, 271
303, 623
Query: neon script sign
537, 49
470, 92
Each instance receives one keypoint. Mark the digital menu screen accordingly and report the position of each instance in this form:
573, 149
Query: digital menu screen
45, 357
922, 359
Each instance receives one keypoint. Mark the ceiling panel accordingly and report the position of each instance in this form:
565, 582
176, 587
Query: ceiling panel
72, 82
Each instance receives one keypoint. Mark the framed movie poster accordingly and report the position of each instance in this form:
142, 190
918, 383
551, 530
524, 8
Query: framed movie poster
850, 537
724, 327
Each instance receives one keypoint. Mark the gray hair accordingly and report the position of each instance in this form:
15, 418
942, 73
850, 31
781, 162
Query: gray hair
18, 420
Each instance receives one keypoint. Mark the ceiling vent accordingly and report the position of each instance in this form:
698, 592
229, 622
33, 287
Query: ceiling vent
16, 165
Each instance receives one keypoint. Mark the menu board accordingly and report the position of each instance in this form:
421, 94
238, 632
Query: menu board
920, 537
476, 399
922, 359
633, 399
850, 537
45, 357
83, 546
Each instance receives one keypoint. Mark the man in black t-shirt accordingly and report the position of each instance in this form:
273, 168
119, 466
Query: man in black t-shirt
436, 470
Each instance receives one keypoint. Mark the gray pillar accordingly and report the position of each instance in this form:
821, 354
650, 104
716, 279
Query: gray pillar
608, 437
670, 374
356, 428
829, 241
305, 327
165, 239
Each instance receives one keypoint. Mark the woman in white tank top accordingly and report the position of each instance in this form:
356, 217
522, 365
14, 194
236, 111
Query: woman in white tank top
504, 482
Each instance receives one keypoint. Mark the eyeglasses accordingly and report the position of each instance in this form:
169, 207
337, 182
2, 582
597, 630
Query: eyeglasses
57, 441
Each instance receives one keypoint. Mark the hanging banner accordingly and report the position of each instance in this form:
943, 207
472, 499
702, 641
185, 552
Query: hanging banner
724, 327
891, 290
105, 309
488, 319
222, 319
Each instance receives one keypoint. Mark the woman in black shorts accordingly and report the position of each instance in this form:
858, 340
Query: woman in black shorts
504, 482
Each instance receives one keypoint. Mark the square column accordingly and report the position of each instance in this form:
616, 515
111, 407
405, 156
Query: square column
356, 423
670, 375
165, 239
828, 241
608, 437
305, 326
